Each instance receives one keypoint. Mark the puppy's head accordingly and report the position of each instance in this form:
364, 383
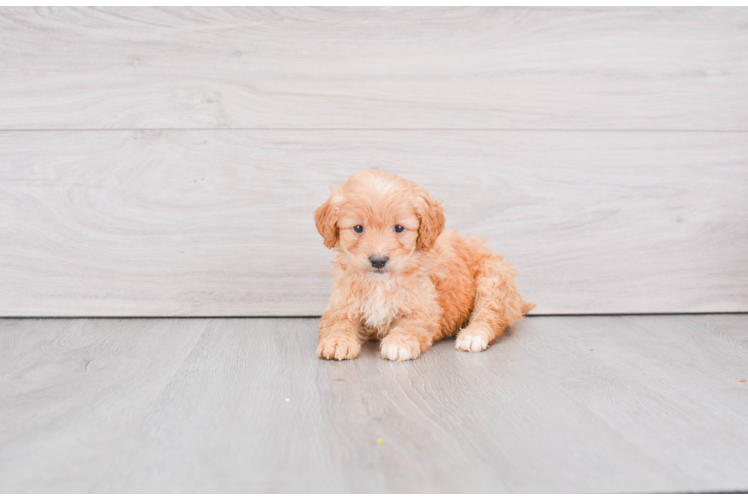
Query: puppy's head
378, 221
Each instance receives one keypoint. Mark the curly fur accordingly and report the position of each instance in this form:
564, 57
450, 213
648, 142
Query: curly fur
435, 283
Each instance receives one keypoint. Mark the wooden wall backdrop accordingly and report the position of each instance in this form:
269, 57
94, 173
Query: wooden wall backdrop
166, 162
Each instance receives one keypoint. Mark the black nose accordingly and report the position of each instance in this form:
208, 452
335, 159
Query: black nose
378, 262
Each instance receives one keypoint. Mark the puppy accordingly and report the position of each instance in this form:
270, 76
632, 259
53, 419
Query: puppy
401, 279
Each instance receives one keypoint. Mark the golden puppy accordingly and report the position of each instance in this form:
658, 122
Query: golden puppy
402, 280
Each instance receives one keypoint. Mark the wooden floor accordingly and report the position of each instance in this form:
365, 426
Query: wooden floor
562, 404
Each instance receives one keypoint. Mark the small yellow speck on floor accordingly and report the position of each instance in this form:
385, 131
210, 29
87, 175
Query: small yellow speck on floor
404, 463
380, 441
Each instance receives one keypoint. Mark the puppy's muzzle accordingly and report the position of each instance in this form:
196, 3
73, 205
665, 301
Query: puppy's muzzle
378, 262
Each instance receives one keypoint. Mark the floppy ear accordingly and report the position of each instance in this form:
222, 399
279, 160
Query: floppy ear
431, 216
326, 218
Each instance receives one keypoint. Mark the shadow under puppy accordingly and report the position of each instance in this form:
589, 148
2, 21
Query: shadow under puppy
403, 280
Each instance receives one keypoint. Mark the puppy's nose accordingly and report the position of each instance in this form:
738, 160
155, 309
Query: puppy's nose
378, 262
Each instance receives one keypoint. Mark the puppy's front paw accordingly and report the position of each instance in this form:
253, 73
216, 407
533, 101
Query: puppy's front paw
400, 348
338, 348
472, 340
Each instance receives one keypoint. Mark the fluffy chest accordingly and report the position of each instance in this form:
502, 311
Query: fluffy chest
379, 308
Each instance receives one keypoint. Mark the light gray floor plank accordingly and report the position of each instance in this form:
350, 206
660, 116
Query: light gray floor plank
220, 223
561, 404
478, 68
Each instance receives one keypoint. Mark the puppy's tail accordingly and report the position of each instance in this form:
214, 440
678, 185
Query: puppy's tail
527, 307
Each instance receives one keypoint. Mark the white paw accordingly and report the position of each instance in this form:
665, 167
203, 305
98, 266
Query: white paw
471, 342
399, 350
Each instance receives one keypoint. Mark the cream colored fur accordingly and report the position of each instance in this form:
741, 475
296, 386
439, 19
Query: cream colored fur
434, 283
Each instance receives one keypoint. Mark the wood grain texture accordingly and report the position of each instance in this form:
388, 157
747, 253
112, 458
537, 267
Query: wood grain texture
219, 223
476, 68
562, 404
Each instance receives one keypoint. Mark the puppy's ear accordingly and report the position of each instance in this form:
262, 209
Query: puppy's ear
326, 218
431, 216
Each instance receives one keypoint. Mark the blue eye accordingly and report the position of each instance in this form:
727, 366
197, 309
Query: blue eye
399, 228
358, 229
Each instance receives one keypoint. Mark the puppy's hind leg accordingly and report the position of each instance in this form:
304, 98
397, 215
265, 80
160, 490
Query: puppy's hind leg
497, 305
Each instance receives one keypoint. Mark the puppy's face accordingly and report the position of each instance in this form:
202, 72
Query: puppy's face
378, 221
377, 235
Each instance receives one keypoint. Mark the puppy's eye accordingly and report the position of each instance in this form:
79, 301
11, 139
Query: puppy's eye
358, 229
399, 228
